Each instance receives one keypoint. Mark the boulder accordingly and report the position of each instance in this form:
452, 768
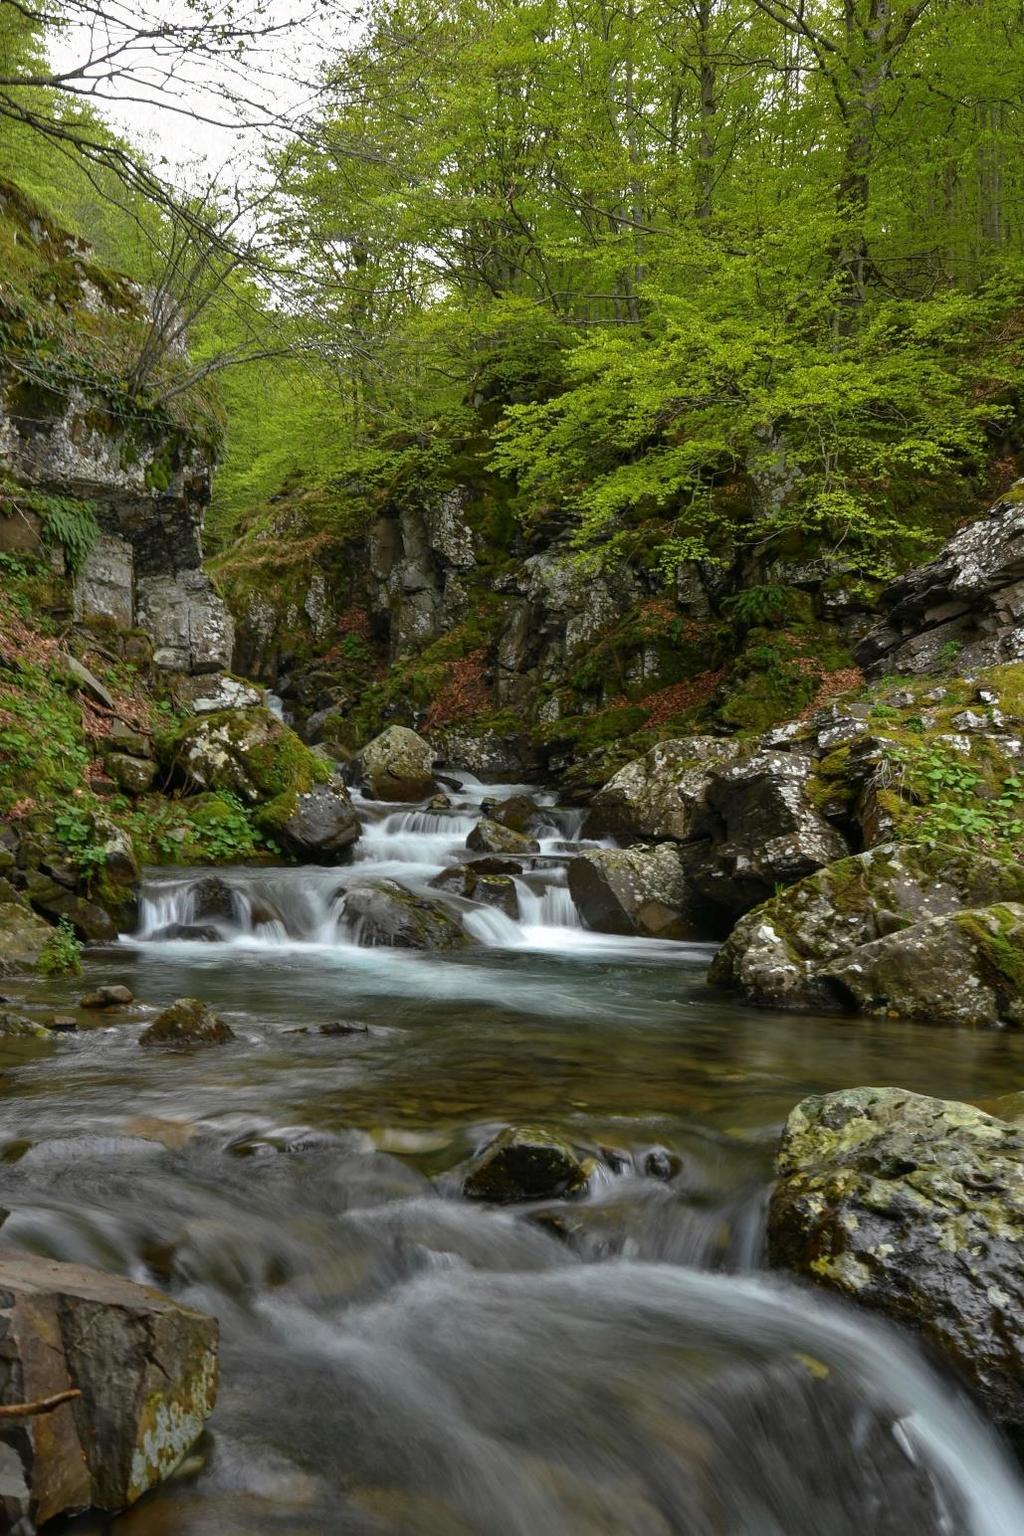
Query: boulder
963, 968
136, 1371
660, 795
491, 837
397, 765
18, 1026
478, 882
640, 891
134, 775
186, 1023
913, 1206
107, 997
385, 914
321, 827
777, 955
524, 1163
23, 937
212, 693
192, 933
494, 757
520, 813
970, 598
212, 897
765, 831
90, 921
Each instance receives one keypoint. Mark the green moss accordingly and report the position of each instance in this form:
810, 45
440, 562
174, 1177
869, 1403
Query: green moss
996, 931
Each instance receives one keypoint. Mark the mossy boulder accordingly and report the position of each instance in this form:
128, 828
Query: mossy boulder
492, 837
965, 968
662, 794
18, 1026
489, 881
640, 891
397, 765
187, 1023
384, 914
914, 1207
23, 937
778, 955
524, 1163
318, 826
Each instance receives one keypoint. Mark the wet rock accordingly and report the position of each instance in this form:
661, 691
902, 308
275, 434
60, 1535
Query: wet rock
520, 813
397, 765
194, 933
638, 891
477, 882
491, 837
777, 955
913, 1206
343, 1027
212, 897
385, 914
23, 937
187, 1022
660, 795
107, 997
144, 1369
18, 1026
524, 1163
964, 968
62, 1023
134, 775
322, 827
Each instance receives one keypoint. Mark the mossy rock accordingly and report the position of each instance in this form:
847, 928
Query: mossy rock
523, 1163
247, 753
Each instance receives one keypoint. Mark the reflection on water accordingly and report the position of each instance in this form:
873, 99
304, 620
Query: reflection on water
399, 1361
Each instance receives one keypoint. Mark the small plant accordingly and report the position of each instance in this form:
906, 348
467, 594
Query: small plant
755, 607
62, 953
74, 830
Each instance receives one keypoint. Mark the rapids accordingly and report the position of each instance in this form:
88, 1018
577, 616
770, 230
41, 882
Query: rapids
397, 1361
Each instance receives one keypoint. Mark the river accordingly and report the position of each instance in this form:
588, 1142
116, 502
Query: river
397, 1361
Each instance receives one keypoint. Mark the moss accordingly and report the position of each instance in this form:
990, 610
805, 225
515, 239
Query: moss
997, 933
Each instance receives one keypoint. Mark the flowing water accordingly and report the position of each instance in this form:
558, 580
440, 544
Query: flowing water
397, 1361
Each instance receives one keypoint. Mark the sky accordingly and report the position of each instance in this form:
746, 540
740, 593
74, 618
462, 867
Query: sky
280, 76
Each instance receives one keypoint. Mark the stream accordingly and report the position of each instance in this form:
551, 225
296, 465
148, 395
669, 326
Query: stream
398, 1361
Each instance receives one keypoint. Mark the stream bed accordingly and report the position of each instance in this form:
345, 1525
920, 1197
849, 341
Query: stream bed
398, 1361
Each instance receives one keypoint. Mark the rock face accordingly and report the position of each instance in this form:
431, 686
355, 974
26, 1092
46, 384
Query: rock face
782, 953
914, 1207
641, 891
187, 621
661, 795
386, 915
23, 937
187, 1023
523, 1163
970, 598
398, 765
146, 1369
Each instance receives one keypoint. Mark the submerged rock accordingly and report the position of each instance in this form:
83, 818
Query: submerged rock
778, 955
638, 891
913, 1206
140, 1371
385, 914
398, 765
185, 1023
524, 1163
491, 837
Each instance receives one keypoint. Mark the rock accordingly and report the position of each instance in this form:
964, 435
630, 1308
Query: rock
322, 827
123, 738
385, 914
477, 882
491, 837
397, 765
212, 897
107, 997
660, 795
211, 693
495, 757
104, 585
18, 1026
188, 1022
523, 1163
519, 813
144, 1366
964, 968
638, 891
768, 832
80, 674
62, 1023
777, 955
193, 933
913, 1206
968, 600
134, 775
90, 921
120, 866
23, 937
190, 626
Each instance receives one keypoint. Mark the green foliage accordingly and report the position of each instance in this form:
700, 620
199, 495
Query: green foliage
959, 805
74, 830
70, 524
61, 955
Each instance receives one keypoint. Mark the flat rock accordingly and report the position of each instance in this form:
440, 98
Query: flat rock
107, 997
524, 1163
146, 1371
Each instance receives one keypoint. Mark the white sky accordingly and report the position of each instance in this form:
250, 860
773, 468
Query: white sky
282, 74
